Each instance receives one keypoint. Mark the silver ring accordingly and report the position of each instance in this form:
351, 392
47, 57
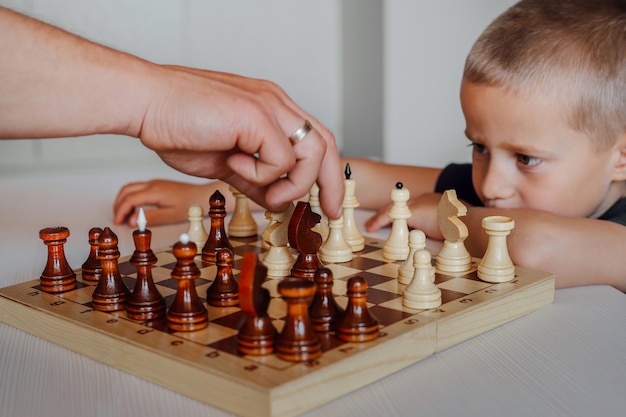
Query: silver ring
301, 133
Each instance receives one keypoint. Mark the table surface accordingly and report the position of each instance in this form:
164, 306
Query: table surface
567, 359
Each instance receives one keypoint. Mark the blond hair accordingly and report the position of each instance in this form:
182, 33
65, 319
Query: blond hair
575, 49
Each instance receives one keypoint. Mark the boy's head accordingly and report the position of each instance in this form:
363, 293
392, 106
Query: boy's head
544, 97
574, 50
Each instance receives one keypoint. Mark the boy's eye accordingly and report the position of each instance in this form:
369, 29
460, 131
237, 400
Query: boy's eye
528, 161
478, 148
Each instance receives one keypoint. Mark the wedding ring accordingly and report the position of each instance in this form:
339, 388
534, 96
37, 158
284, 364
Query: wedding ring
301, 133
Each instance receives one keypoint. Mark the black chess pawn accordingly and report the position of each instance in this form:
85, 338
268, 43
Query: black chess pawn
224, 291
111, 294
57, 275
297, 342
187, 313
324, 309
145, 302
92, 269
217, 234
357, 324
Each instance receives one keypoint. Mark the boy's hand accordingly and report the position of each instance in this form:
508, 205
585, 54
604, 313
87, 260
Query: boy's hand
423, 216
170, 200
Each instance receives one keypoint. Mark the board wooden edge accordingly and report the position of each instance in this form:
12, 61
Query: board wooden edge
138, 361
366, 365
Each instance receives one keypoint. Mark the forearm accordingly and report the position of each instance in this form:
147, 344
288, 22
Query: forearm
578, 251
375, 180
55, 84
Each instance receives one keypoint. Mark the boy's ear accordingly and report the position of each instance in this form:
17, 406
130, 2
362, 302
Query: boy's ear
619, 173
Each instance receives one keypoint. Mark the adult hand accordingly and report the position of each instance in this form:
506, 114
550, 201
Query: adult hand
218, 125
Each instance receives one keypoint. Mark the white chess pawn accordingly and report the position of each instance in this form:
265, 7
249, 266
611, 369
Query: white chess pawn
422, 293
196, 232
417, 241
314, 202
496, 265
351, 233
241, 224
278, 259
335, 249
396, 247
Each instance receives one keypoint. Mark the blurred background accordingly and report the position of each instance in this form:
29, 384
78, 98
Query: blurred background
383, 75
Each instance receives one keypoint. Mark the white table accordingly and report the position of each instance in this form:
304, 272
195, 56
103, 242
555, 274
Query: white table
567, 359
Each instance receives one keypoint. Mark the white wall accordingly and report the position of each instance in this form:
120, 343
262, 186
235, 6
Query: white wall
426, 43
413, 93
294, 43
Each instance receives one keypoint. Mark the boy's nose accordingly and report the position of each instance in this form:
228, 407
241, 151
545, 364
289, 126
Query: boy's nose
497, 183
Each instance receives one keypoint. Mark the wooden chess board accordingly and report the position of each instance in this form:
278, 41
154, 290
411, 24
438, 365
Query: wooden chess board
205, 365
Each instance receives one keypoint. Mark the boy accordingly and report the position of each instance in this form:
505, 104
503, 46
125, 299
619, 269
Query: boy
544, 98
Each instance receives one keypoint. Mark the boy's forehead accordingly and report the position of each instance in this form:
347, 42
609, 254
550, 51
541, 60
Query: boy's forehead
522, 121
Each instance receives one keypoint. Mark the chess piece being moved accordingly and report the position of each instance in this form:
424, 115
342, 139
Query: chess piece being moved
314, 201
92, 269
496, 264
257, 334
217, 234
305, 241
453, 257
335, 249
187, 313
224, 291
357, 324
351, 232
57, 275
278, 259
145, 302
111, 294
422, 293
396, 247
297, 342
324, 310
241, 224
417, 241
196, 231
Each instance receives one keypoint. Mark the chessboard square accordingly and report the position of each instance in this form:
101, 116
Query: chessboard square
81, 295
231, 317
362, 263
340, 287
373, 279
226, 345
126, 268
161, 274
463, 285
208, 271
129, 282
242, 249
278, 325
376, 255
371, 245
391, 285
388, 316
210, 334
342, 271
447, 296
277, 308
375, 296
387, 269
165, 258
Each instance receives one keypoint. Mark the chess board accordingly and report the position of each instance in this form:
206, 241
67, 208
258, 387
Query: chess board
205, 364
